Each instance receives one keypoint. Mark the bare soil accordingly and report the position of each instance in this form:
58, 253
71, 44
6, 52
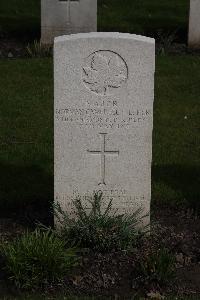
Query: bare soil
117, 273
13, 48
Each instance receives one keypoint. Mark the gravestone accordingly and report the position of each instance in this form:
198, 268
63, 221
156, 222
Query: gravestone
104, 90
194, 24
60, 17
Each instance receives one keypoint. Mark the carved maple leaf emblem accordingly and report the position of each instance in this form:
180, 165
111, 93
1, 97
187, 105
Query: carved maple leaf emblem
104, 73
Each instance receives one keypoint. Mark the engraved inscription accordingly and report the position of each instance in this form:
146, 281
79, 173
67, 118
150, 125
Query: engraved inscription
121, 196
103, 152
104, 71
103, 117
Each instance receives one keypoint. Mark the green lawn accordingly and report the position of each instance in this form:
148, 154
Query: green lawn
176, 143
146, 17
26, 138
22, 17
26, 134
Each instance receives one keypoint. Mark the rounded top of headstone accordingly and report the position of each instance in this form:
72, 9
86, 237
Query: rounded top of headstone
115, 35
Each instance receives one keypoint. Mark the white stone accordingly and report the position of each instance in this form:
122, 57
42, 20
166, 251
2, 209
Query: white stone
104, 90
194, 24
66, 17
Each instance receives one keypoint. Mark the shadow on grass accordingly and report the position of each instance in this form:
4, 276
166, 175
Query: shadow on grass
184, 180
26, 193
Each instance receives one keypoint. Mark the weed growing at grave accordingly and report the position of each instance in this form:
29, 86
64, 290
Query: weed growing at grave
158, 267
98, 228
37, 259
37, 49
165, 41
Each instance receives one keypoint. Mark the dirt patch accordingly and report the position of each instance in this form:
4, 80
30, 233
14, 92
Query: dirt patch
117, 273
10, 229
188, 279
12, 48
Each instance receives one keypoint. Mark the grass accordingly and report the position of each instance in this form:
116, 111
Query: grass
26, 143
158, 267
21, 17
176, 142
37, 259
144, 16
99, 229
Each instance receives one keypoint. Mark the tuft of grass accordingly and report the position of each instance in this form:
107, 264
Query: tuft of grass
165, 42
37, 49
98, 227
158, 267
37, 259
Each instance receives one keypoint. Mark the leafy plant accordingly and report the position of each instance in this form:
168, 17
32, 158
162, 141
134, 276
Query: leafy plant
37, 259
37, 49
158, 267
97, 228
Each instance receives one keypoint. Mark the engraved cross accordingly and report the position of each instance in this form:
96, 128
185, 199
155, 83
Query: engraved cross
103, 153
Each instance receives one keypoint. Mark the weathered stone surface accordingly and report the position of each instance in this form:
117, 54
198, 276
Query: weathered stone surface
194, 24
104, 90
66, 17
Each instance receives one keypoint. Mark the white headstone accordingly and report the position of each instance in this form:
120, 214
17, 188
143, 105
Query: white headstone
194, 24
60, 17
104, 90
